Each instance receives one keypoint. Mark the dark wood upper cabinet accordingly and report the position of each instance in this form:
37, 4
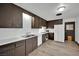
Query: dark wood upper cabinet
40, 25
50, 24
10, 16
43, 22
38, 22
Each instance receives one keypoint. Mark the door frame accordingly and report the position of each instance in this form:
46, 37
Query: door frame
65, 29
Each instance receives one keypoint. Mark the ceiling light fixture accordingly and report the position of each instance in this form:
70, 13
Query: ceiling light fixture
60, 9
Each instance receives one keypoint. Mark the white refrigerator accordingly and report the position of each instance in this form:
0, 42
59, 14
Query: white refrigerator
59, 33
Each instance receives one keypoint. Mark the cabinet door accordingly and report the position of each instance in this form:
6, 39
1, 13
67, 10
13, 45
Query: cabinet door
32, 22
28, 46
7, 50
7, 53
50, 24
10, 16
34, 43
20, 48
31, 44
11, 52
51, 36
39, 23
35, 22
20, 51
43, 22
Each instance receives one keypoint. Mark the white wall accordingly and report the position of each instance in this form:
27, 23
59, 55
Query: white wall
69, 20
77, 30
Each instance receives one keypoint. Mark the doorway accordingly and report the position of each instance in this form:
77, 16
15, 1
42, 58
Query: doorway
70, 31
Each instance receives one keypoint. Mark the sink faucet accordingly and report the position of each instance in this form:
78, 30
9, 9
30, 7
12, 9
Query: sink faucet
27, 33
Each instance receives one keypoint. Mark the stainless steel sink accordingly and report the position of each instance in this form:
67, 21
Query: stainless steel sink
28, 36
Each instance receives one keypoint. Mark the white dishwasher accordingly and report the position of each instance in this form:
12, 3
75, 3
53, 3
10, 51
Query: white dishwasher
39, 39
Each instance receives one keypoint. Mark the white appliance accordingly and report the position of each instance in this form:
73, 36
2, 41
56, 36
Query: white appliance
59, 33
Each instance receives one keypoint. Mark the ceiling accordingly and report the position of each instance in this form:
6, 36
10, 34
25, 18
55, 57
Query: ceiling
48, 11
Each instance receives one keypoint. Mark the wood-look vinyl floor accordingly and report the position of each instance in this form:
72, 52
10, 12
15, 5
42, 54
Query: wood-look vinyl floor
53, 48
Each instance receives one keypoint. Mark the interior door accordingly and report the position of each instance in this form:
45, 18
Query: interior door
70, 31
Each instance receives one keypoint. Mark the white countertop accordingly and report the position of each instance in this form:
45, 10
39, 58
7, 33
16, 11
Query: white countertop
15, 39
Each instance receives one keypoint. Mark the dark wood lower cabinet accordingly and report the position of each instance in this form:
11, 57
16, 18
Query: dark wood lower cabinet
5, 53
31, 44
20, 48
12, 52
20, 51
28, 46
34, 43
51, 36
7, 50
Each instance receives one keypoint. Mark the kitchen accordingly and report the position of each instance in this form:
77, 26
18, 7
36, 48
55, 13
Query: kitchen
17, 27
22, 31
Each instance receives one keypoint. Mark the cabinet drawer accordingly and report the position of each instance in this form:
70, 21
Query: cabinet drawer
7, 47
20, 43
